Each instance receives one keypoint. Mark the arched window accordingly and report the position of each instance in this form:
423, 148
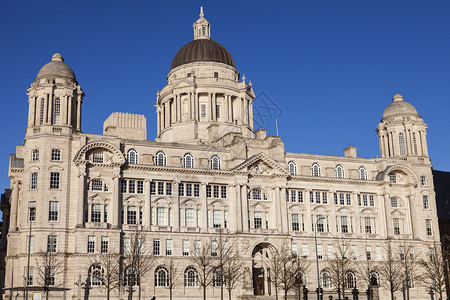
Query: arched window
161, 276
362, 173
257, 194
160, 158
300, 278
131, 276
132, 156
350, 280
395, 202
190, 277
97, 185
401, 143
215, 162
316, 170
96, 273
217, 280
292, 168
339, 171
188, 160
326, 279
57, 112
41, 111
35, 155
374, 278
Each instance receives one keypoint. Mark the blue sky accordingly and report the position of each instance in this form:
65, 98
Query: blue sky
331, 67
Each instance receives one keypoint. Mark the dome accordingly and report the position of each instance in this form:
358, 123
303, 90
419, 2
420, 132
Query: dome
202, 50
56, 68
399, 106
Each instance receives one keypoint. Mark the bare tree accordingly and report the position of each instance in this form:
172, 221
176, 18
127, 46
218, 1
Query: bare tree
391, 270
366, 270
339, 265
232, 273
301, 270
284, 264
109, 274
139, 260
411, 266
48, 267
173, 274
434, 270
203, 259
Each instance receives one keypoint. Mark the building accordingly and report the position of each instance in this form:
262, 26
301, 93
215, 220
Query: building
208, 169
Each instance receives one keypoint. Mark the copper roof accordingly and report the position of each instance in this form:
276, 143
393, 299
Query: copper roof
202, 50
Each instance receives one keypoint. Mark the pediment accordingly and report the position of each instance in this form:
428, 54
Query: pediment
261, 164
183, 83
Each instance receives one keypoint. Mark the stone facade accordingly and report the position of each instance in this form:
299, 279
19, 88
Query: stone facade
208, 169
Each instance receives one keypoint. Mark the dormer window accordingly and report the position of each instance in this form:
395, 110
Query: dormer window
97, 157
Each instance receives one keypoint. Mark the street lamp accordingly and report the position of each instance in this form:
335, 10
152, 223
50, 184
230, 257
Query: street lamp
319, 291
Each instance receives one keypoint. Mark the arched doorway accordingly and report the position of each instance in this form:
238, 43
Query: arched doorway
261, 256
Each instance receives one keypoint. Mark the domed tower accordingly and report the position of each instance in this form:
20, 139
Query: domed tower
55, 99
203, 99
402, 132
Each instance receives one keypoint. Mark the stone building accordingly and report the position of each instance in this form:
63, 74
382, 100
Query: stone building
207, 170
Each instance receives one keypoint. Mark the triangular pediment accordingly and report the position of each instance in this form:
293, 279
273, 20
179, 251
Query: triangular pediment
183, 83
261, 164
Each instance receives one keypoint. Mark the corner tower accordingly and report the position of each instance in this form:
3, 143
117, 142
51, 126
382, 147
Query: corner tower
402, 132
204, 98
55, 99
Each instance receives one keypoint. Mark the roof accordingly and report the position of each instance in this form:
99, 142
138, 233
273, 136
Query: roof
56, 68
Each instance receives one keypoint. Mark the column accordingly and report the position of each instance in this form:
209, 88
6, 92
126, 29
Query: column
45, 114
284, 212
279, 222
14, 205
244, 202
176, 223
31, 106
231, 222
158, 127
180, 110
116, 200
423, 140
387, 214
213, 106
204, 201
81, 182
191, 107
391, 144
147, 205
412, 216
250, 121
196, 113
69, 110
238, 204
79, 113
50, 109
64, 109
381, 145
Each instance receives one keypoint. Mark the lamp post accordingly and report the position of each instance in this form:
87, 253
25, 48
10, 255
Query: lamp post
319, 290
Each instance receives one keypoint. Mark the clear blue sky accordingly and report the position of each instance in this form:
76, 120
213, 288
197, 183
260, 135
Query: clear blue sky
331, 66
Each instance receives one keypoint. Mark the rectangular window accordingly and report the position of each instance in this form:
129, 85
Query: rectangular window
317, 197
31, 211
161, 216
324, 198
371, 200
140, 187
97, 157
330, 251
91, 244
96, 213
365, 200
208, 191
53, 211
156, 247
97, 185
50, 274
320, 227
319, 252
294, 249
217, 111
196, 190
152, 188
293, 196
169, 247
216, 74
305, 250
186, 248
378, 251
51, 243
426, 204
349, 199
123, 186
368, 253
311, 197
367, 225
217, 219
197, 247
225, 218
35, 155
131, 186
126, 246
181, 189
341, 199
214, 247
335, 198
33, 181
105, 213
104, 244
295, 222
56, 155
188, 190
393, 178
132, 215
216, 191
203, 110
396, 223
189, 218
30, 244
223, 192
54, 181
257, 219
428, 227
300, 196
30, 272
160, 188
168, 188
359, 199
423, 180
344, 225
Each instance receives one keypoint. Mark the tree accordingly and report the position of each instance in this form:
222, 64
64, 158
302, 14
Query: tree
410, 265
109, 274
434, 270
284, 268
366, 270
203, 259
391, 270
173, 274
232, 273
48, 267
301, 270
138, 260
340, 265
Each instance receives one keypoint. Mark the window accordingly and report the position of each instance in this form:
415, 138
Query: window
326, 279
41, 112
161, 276
217, 111
104, 244
320, 225
319, 252
316, 170
30, 276
161, 216
131, 186
189, 217
31, 211
57, 111
96, 185
362, 173
97, 157
428, 227
156, 247
96, 275
292, 168
33, 181
216, 74
203, 110
368, 253
51, 243
217, 219
168, 188
91, 244
53, 211
217, 279
132, 156
344, 225
56, 155
350, 280
305, 250
54, 181
50, 276
426, 204
35, 155
186, 248
394, 202
367, 225
188, 161
339, 171
214, 248
396, 223
140, 187
168, 247
393, 178
215, 162
131, 276
96, 213
196, 190
401, 143
132, 215
190, 277
257, 219
160, 158
423, 180
30, 244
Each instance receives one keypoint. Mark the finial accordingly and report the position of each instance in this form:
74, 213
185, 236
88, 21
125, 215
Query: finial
157, 93
243, 78
397, 97
201, 12
57, 57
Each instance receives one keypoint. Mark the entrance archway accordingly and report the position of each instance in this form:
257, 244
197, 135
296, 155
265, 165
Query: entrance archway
261, 256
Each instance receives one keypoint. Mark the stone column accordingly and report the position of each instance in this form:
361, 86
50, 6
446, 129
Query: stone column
276, 196
176, 206
158, 126
50, 109
116, 200
204, 201
31, 112
412, 215
250, 121
14, 205
423, 139
391, 144
244, 202
81, 188
69, 110
63, 117
180, 109
45, 114
381, 146
238, 204
147, 205
213, 106
79, 112
196, 108
284, 211
387, 214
